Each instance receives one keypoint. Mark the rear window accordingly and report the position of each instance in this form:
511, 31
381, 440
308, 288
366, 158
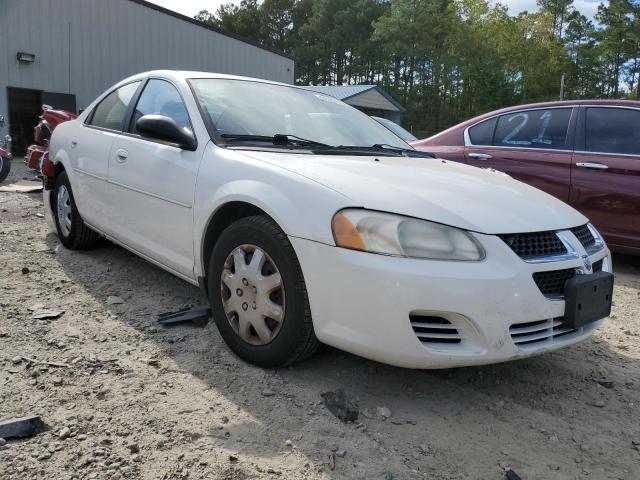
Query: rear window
534, 129
111, 110
613, 130
482, 133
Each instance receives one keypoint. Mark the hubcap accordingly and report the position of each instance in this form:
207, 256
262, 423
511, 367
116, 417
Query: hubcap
252, 295
63, 204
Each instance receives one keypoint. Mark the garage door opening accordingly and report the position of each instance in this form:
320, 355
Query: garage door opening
25, 106
24, 109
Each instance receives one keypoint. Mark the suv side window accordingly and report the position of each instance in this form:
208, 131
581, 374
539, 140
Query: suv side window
534, 129
160, 97
613, 130
482, 133
111, 111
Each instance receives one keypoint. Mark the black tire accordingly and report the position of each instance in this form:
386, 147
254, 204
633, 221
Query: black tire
79, 237
5, 168
296, 339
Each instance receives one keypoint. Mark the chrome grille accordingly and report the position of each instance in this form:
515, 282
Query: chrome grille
584, 235
434, 330
536, 244
531, 334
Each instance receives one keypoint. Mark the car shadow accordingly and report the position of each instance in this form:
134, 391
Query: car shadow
566, 403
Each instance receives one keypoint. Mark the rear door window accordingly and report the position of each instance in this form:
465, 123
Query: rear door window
534, 129
482, 133
111, 111
613, 130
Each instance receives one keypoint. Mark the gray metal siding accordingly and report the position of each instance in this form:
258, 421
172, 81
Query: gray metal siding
84, 46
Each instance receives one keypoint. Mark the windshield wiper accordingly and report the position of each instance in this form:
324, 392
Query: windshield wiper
283, 139
407, 152
376, 149
288, 140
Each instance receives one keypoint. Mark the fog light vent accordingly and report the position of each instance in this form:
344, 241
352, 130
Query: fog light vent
538, 333
434, 330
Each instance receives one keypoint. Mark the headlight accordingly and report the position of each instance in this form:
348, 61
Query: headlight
389, 234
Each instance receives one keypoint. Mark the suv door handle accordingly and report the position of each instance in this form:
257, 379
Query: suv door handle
480, 156
121, 155
592, 165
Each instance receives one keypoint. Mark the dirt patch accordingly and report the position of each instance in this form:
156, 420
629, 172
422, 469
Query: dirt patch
137, 400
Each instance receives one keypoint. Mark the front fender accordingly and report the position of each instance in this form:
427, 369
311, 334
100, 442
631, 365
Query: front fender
302, 207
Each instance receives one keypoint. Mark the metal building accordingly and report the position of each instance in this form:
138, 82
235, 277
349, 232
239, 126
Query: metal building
371, 99
64, 53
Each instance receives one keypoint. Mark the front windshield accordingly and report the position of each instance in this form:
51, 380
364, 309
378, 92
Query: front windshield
395, 128
242, 107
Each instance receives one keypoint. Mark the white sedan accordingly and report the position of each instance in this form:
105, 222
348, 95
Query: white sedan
306, 221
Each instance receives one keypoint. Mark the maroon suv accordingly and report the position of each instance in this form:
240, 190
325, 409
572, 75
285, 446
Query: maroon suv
586, 153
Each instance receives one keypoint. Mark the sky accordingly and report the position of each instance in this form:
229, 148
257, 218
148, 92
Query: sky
587, 7
191, 7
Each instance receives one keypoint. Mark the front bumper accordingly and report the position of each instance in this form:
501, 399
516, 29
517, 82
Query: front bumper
362, 302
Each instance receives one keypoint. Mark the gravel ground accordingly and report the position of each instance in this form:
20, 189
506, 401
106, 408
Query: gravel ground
138, 400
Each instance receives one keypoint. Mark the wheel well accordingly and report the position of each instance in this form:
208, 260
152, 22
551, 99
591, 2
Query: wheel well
50, 182
225, 216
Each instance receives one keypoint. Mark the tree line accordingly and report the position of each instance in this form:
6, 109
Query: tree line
449, 60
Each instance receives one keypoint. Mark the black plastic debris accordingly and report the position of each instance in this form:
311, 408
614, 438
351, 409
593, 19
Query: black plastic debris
199, 316
21, 427
511, 475
338, 404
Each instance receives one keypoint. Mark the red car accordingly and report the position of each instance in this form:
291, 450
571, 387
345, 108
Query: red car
586, 153
36, 155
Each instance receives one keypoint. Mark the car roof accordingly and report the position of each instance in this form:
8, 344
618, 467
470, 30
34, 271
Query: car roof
182, 75
565, 103
555, 104
527, 106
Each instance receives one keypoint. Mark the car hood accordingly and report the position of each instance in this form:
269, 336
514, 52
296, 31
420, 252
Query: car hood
476, 199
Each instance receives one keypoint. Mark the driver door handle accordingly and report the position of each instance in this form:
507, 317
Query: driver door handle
121, 155
480, 156
592, 165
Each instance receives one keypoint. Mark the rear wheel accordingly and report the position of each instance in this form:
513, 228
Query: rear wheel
5, 168
72, 231
258, 294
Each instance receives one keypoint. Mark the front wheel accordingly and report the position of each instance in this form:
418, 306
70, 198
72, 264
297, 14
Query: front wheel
258, 295
5, 168
72, 230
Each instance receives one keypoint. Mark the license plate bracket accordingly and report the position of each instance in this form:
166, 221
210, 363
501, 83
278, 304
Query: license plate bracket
587, 298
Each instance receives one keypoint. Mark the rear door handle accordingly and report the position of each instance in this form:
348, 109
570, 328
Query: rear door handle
121, 155
592, 165
480, 156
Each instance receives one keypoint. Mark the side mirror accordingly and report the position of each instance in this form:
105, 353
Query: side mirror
159, 127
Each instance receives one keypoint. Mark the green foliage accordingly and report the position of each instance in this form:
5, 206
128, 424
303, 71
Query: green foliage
448, 60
